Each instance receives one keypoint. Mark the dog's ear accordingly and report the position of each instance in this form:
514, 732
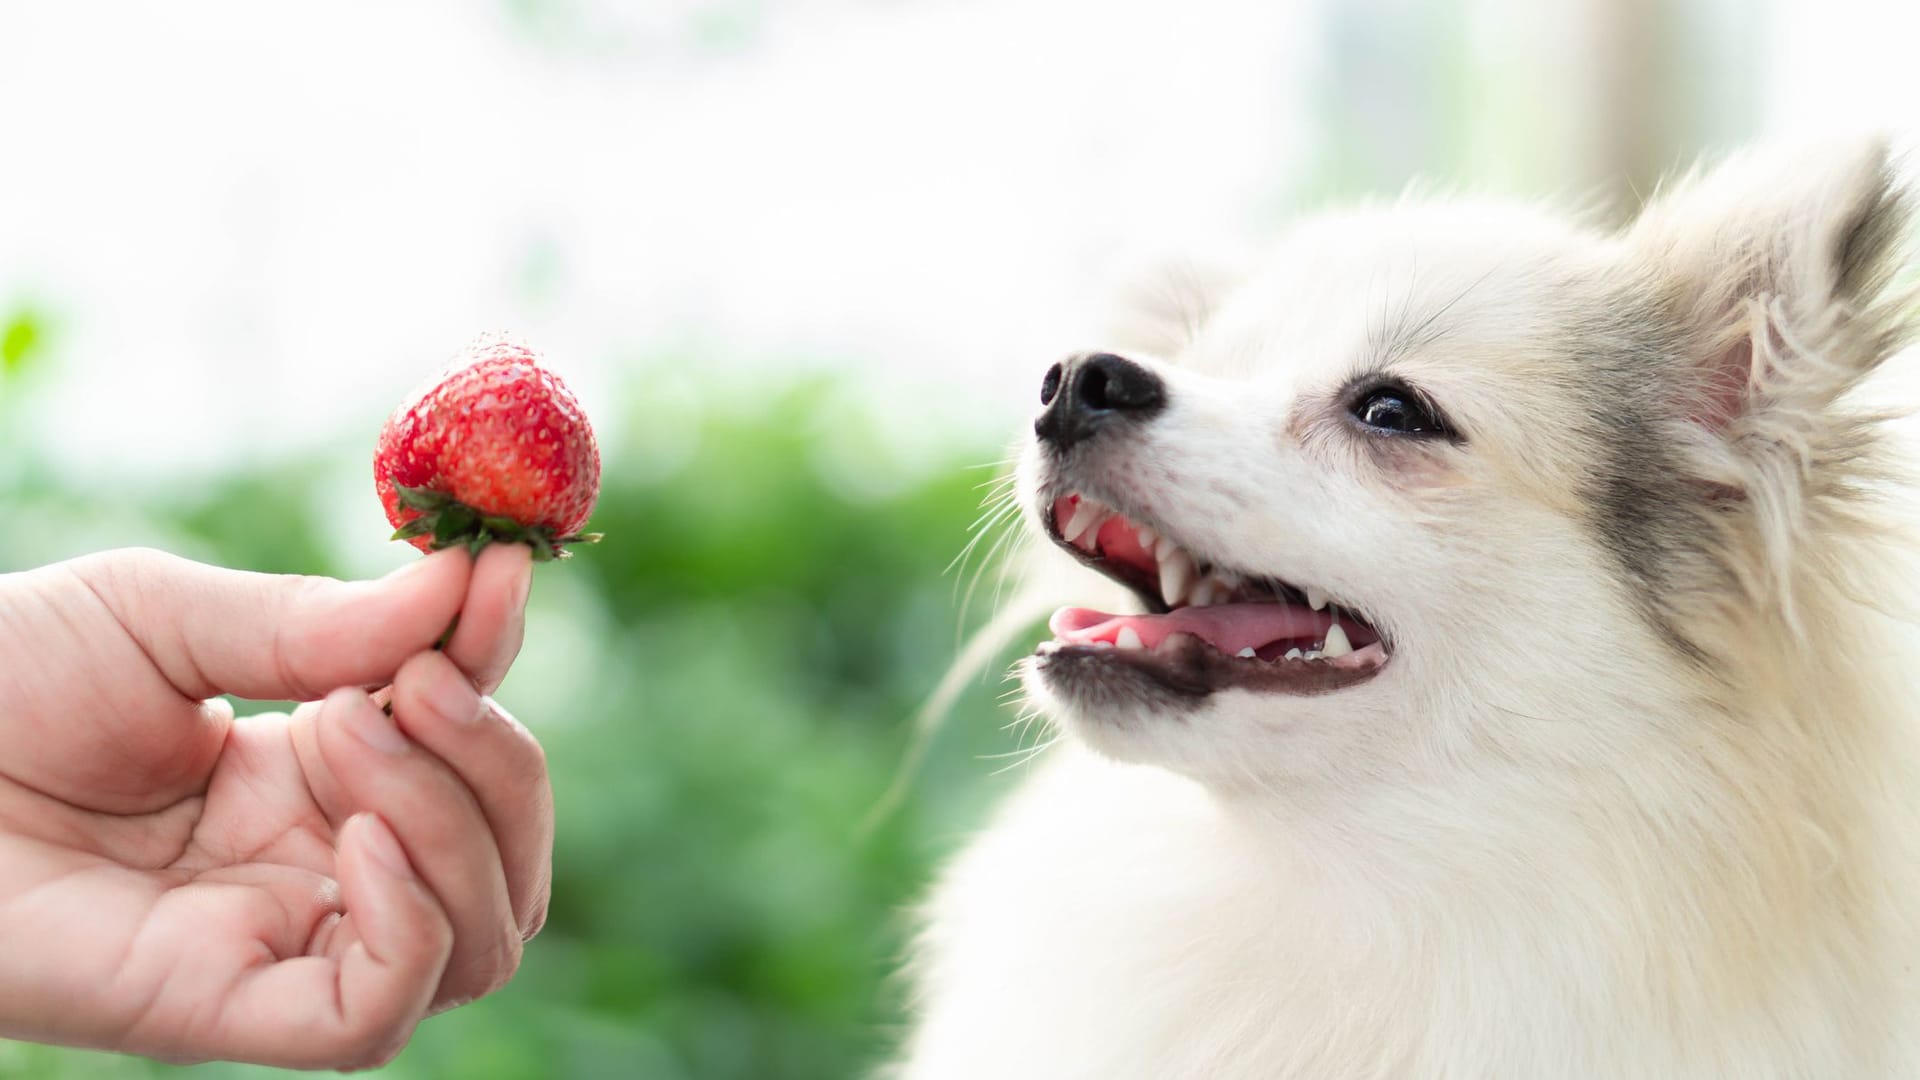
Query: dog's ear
1771, 283
1160, 303
1773, 269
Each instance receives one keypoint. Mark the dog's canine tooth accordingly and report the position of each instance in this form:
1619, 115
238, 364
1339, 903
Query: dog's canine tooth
1127, 638
1176, 573
1316, 599
1088, 515
1337, 643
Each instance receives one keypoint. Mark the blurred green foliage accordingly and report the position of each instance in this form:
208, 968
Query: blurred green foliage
722, 687
22, 332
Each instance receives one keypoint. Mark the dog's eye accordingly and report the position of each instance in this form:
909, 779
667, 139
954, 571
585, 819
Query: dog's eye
1394, 408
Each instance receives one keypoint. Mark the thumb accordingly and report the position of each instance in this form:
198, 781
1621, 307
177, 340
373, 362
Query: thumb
212, 631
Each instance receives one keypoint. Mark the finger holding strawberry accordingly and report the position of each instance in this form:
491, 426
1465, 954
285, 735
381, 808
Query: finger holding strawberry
493, 449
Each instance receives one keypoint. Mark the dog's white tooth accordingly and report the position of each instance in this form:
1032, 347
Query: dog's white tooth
1203, 593
1147, 538
1312, 654
1293, 654
1337, 643
1086, 516
1246, 653
1176, 573
1316, 599
1127, 639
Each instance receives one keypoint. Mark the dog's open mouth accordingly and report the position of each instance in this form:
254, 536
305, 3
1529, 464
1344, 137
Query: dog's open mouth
1208, 627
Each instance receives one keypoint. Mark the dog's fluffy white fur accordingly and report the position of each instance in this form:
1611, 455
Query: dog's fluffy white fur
1635, 793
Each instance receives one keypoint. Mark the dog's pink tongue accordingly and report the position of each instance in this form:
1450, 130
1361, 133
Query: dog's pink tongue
1227, 627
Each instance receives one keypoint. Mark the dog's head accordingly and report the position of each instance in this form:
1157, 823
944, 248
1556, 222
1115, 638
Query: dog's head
1442, 484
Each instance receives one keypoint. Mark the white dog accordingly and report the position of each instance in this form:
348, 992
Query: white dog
1516, 693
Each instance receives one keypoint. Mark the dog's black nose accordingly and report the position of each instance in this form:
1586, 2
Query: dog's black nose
1084, 394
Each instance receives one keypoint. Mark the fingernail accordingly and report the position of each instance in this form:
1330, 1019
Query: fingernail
522, 585
370, 725
385, 847
498, 714
453, 698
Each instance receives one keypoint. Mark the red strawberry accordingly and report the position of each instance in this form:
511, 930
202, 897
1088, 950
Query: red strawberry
494, 448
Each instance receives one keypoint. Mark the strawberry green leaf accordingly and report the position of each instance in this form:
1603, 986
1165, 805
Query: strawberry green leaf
423, 499
419, 526
454, 522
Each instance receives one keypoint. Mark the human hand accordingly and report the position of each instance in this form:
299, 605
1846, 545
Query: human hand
291, 890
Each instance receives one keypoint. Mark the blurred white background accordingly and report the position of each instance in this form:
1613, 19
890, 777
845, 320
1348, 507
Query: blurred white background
248, 228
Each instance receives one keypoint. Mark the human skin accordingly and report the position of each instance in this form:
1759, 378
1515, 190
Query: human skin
296, 890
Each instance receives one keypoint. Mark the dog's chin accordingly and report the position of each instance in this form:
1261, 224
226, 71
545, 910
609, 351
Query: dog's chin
1143, 706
